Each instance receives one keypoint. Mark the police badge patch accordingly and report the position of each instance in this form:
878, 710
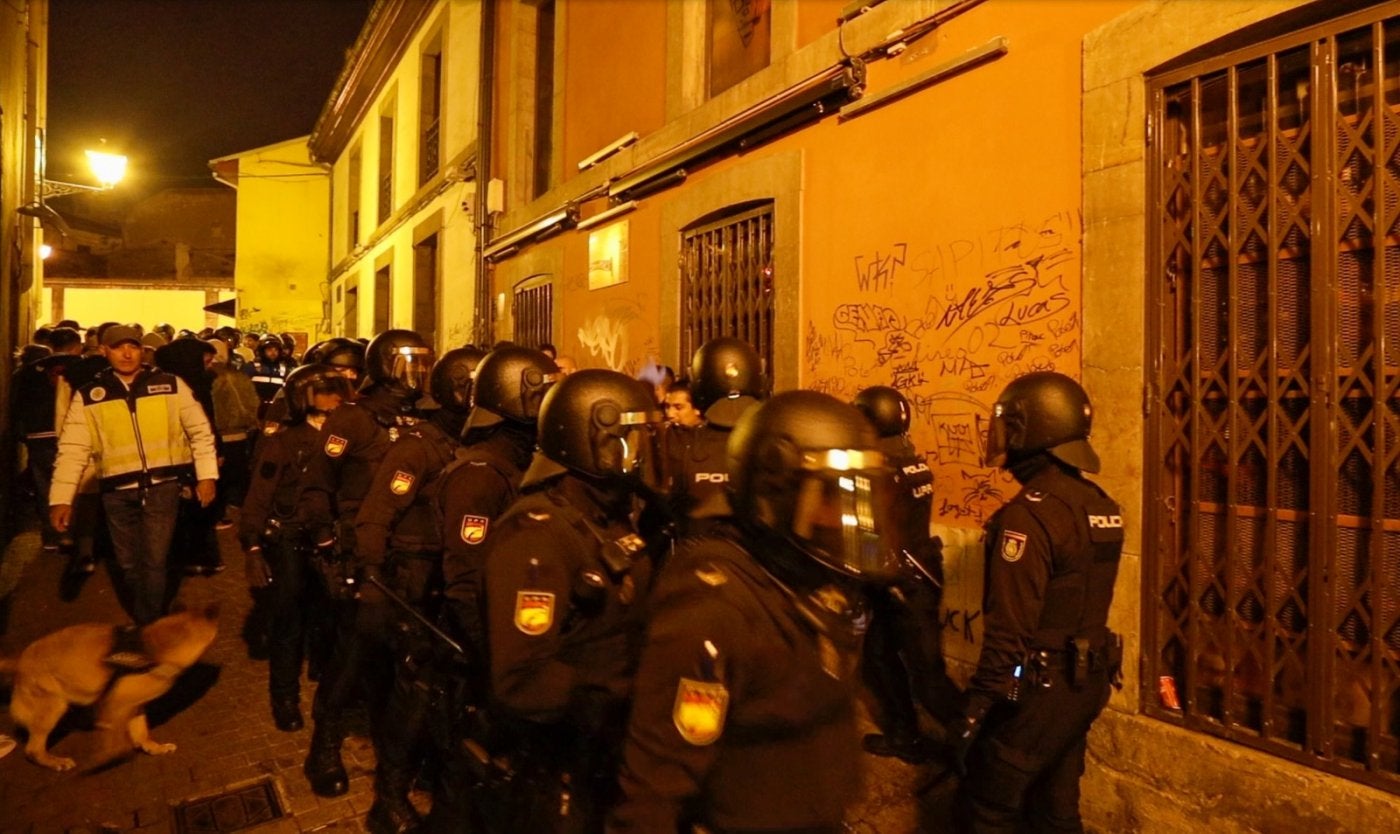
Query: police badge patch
98, 394
1013, 545
336, 445
403, 481
700, 710
474, 528
534, 612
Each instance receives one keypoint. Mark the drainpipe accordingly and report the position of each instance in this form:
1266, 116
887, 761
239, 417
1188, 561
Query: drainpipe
483, 324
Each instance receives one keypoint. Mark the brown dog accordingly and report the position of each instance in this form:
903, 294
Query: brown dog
95, 663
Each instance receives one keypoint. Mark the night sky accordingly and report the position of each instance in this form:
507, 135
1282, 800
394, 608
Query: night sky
175, 83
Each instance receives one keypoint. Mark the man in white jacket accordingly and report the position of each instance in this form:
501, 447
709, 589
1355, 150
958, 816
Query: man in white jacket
147, 436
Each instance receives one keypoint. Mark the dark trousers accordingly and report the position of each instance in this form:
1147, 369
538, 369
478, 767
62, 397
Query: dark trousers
1024, 769
142, 522
236, 471
403, 737
290, 604
42, 452
903, 658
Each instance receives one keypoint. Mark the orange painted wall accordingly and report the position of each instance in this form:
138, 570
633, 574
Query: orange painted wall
815, 18
941, 240
600, 65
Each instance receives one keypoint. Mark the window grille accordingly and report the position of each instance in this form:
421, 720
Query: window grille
727, 280
533, 315
386, 168
430, 116
1272, 588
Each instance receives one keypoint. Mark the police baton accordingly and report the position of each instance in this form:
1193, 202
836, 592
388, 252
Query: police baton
914, 563
417, 615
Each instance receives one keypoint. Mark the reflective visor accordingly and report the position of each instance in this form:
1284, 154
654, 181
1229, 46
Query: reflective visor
412, 366
637, 438
845, 513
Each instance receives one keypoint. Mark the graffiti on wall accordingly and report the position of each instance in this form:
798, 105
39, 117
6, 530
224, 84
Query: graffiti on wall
949, 323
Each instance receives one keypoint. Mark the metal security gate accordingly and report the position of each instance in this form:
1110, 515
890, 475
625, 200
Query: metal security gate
727, 280
1272, 589
533, 315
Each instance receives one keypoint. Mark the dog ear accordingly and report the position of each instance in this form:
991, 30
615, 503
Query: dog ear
211, 611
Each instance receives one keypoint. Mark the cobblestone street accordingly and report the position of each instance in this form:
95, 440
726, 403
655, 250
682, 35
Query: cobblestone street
219, 718
217, 715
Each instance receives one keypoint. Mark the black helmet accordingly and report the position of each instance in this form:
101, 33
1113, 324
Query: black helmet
347, 355
510, 385
228, 334
804, 466
725, 369
1042, 411
399, 358
289, 343
304, 383
595, 422
270, 341
313, 353
450, 382
885, 408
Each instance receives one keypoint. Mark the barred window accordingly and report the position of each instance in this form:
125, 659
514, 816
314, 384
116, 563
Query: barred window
727, 279
1272, 587
532, 311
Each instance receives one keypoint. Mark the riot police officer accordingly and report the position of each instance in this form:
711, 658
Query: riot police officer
276, 545
744, 709
727, 380
903, 654
1048, 656
269, 369
566, 575
355, 439
399, 542
509, 387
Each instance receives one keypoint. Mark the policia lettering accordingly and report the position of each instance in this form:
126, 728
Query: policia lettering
1048, 657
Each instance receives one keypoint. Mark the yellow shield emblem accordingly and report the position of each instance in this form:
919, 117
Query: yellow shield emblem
1013, 545
474, 528
534, 612
699, 711
402, 482
335, 446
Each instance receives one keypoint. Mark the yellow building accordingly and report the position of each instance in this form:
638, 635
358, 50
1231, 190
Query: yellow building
283, 239
1177, 201
399, 134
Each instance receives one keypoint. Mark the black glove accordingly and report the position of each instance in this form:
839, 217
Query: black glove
961, 735
374, 613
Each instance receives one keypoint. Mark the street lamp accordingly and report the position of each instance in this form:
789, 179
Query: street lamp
107, 167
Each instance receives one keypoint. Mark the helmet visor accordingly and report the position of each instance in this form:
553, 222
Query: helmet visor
411, 367
630, 444
845, 513
999, 435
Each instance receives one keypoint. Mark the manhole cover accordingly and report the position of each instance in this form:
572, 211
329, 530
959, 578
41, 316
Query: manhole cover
232, 810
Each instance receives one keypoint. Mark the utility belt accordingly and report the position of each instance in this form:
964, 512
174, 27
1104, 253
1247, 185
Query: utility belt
1072, 665
147, 478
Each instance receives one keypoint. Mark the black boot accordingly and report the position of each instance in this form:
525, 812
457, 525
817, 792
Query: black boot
286, 714
392, 815
323, 767
391, 812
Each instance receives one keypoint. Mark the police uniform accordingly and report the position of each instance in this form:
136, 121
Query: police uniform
565, 579
268, 521
398, 537
354, 439
903, 651
743, 683
1048, 657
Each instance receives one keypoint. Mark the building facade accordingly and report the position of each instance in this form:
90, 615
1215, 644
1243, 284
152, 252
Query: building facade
399, 136
283, 239
1177, 201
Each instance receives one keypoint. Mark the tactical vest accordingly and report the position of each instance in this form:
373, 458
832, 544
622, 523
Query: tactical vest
419, 529
1087, 535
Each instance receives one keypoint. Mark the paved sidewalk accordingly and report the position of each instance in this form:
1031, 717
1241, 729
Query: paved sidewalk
217, 715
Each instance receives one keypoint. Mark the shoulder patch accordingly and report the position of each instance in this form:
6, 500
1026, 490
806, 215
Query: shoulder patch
1013, 545
700, 710
1105, 522
474, 528
97, 394
534, 612
336, 446
402, 482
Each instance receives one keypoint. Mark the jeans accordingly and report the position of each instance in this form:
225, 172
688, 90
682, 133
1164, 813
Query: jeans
142, 523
